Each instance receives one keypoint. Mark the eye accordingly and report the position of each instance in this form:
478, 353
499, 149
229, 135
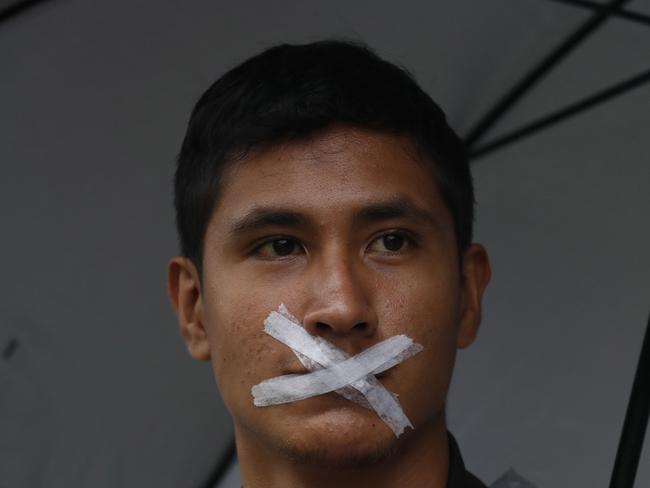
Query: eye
278, 247
391, 242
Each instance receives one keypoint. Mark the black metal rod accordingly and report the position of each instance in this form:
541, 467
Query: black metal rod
553, 58
227, 458
625, 14
16, 8
636, 422
555, 117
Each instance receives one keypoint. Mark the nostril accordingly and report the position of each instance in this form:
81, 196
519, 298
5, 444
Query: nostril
323, 327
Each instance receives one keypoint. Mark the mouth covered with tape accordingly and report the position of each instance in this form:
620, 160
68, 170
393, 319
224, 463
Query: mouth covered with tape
333, 370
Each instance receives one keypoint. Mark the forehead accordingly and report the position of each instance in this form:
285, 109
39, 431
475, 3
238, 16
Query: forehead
340, 169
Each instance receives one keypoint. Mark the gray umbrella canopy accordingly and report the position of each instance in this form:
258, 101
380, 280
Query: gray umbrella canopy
97, 387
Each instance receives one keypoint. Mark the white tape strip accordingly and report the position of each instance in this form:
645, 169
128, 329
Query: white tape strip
334, 370
293, 387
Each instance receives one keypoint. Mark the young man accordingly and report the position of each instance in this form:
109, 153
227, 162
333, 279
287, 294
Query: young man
322, 178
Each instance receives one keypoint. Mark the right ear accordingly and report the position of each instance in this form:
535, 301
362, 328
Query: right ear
184, 290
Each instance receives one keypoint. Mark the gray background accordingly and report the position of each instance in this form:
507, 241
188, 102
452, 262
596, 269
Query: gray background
94, 98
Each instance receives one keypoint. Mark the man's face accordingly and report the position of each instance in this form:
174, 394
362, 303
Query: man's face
349, 231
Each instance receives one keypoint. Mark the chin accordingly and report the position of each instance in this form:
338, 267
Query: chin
342, 436
326, 455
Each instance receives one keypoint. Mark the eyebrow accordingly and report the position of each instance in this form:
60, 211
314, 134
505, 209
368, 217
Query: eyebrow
262, 217
392, 209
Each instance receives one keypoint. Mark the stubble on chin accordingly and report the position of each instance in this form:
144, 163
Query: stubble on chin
323, 454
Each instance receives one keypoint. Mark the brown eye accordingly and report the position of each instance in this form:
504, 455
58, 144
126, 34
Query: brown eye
393, 242
278, 247
283, 247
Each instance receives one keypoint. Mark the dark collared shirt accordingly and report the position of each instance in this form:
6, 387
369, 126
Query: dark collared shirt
459, 477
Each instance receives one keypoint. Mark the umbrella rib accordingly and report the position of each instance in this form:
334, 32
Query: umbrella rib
555, 117
17, 8
225, 461
619, 12
539, 71
635, 423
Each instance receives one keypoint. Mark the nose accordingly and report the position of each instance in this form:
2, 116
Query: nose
340, 302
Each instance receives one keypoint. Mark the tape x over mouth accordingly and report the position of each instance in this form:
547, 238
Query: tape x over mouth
353, 377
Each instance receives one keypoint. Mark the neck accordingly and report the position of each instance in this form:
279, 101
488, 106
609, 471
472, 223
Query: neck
420, 458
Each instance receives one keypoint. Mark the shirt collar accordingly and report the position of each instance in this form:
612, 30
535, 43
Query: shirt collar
458, 476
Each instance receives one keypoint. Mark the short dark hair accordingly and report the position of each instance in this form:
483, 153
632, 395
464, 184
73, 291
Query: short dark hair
291, 92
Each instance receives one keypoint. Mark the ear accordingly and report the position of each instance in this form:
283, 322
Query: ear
184, 290
476, 275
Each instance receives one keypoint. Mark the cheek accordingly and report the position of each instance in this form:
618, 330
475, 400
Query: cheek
235, 343
424, 304
241, 353
432, 320
424, 307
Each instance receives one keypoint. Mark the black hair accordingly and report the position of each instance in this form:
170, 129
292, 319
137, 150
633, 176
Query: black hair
291, 92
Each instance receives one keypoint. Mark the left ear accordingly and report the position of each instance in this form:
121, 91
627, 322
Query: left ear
476, 275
